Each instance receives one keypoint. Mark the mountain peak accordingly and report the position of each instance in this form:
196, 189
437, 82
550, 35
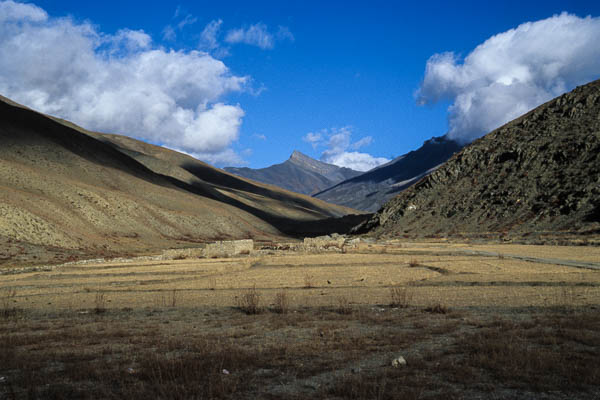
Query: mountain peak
299, 156
304, 161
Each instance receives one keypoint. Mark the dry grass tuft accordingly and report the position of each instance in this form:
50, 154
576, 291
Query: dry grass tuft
100, 302
7, 300
343, 306
308, 281
249, 302
413, 263
437, 308
401, 296
281, 303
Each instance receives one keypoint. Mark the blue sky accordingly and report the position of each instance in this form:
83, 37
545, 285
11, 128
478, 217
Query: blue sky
337, 80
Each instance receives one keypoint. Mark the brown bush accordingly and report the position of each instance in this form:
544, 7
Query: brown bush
249, 302
281, 303
400, 296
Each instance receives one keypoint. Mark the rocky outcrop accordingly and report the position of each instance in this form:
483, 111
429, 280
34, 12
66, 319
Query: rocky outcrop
540, 172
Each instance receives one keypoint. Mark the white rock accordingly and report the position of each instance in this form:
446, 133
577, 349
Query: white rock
398, 362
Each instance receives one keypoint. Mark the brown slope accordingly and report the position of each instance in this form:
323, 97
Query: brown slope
273, 202
65, 192
538, 173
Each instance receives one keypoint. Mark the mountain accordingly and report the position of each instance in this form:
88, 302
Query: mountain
300, 173
67, 192
370, 190
539, 173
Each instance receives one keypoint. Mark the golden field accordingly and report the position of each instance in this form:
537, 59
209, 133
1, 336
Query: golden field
459, 275
469, 320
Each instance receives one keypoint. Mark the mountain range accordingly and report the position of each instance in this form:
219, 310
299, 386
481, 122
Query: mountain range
539, 174
300, 173
370, 190
366, 191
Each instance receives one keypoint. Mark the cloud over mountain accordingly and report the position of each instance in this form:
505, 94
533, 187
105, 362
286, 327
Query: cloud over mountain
512, 72
337, 142
121, 83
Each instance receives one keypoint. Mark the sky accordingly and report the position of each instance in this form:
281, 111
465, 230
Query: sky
239, 83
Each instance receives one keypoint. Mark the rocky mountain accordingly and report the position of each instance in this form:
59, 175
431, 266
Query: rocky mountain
370, 190
539, 173
300, 173
67, 192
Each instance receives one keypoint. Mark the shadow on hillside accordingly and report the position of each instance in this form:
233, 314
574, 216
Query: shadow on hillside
288, 226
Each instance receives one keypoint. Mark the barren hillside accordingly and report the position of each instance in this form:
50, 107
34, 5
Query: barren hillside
538, 173
64, 193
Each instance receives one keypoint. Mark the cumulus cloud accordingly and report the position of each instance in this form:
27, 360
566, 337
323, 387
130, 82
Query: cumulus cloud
337, 142
258, 35
11, 11
120, 83
512, 72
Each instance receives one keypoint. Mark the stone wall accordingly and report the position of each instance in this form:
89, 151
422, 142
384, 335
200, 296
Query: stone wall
229, 248
334, 242
212, 250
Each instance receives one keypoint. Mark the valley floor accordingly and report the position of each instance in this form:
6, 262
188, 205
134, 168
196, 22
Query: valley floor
471, 321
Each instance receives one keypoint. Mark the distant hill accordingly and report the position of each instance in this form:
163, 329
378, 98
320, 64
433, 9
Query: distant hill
65, 192
370, 190
300, 174
539, 173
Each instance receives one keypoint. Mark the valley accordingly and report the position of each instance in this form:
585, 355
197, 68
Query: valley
290, 321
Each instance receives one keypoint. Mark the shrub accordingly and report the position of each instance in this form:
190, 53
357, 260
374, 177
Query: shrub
281, 303
308, 281
343, 305
400, 296
249, 302
437, 308
100, 302
6, 300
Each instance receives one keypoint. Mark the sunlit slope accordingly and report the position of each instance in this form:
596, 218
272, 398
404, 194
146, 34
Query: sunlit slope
64, 188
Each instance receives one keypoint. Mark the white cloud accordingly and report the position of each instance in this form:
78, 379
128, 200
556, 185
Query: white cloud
354, 160
169, 34
208, 37
513, 72
119, 83
337, 142
284, 33
367, 140
11, 11
258, 35
259, 136
313, 138
255, 35
188, 20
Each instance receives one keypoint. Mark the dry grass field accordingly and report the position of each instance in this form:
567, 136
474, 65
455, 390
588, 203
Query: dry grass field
471, 321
